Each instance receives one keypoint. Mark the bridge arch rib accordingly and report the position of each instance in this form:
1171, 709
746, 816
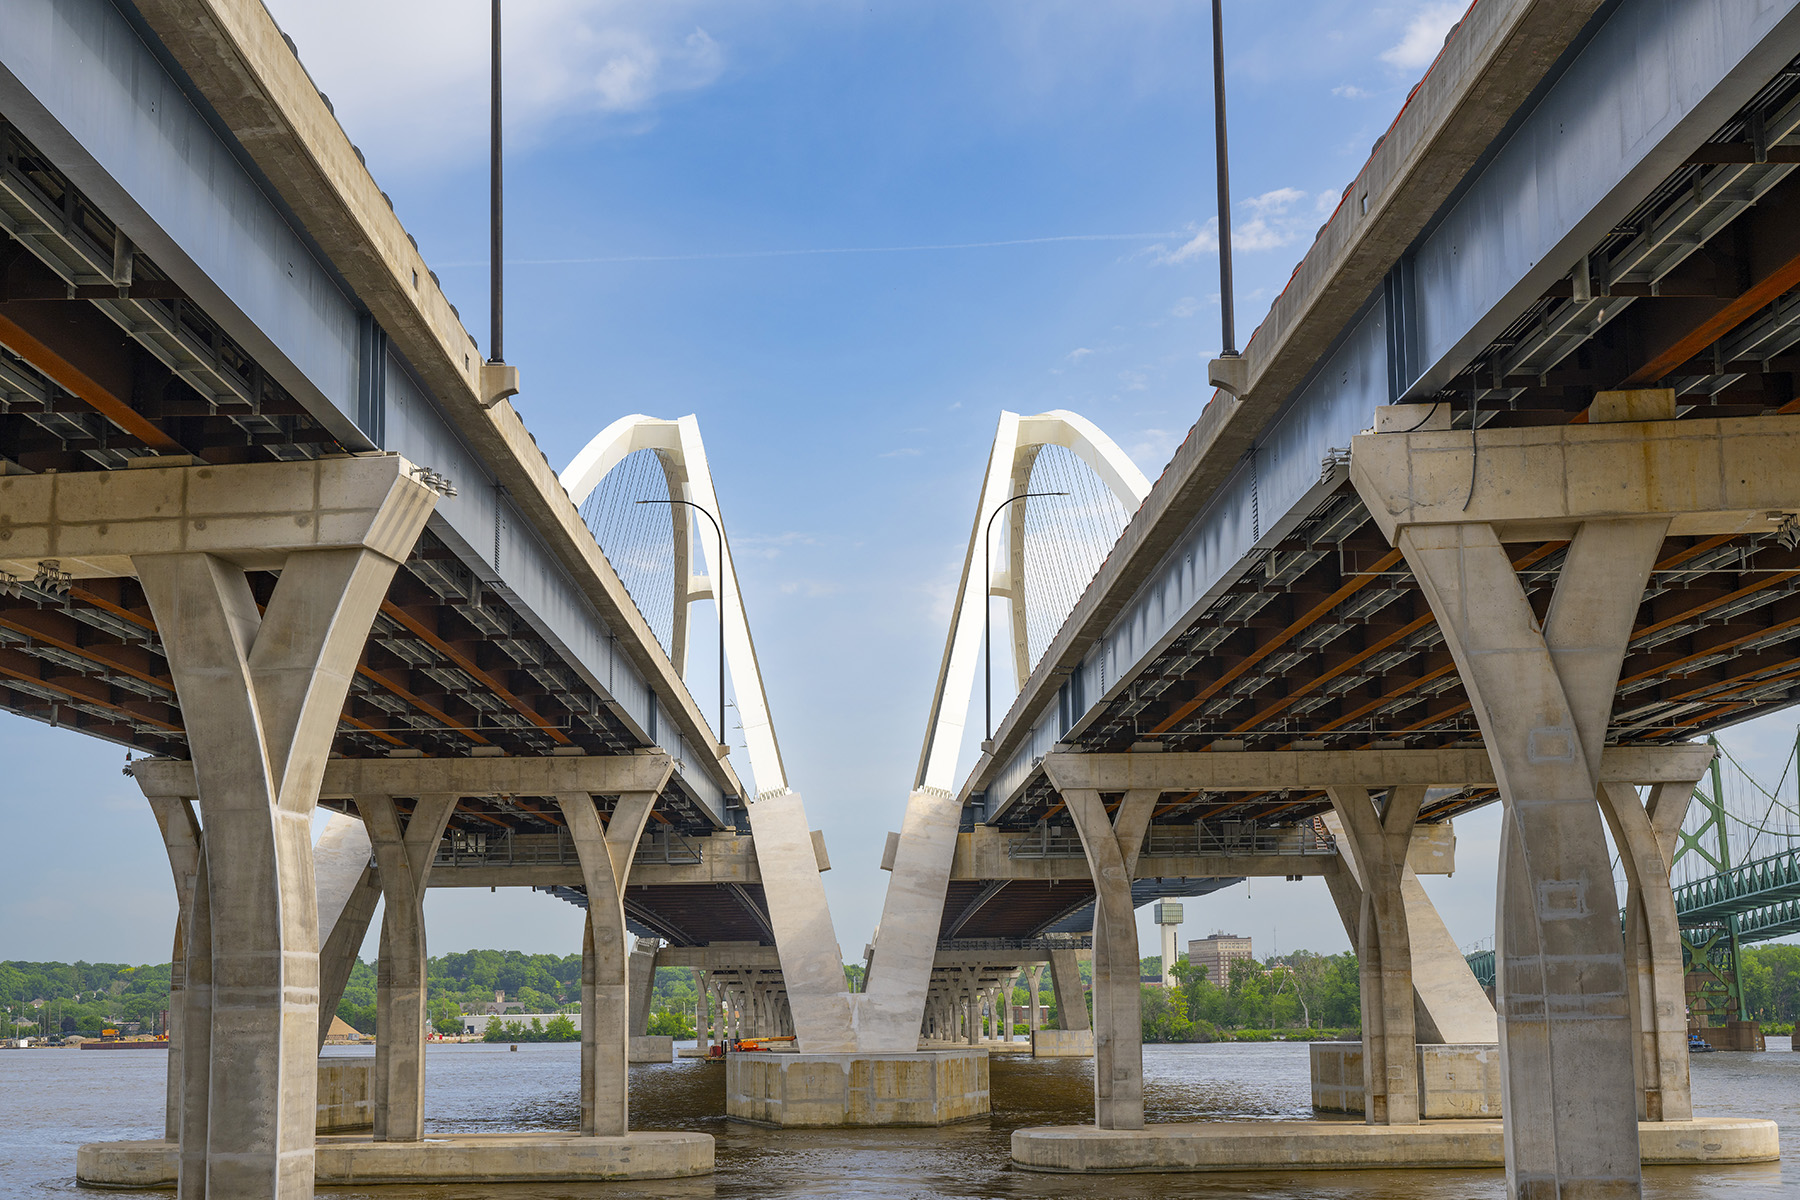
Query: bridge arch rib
1019, 443
686, 476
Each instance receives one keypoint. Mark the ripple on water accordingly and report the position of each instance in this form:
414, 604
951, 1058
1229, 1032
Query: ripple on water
52, 1101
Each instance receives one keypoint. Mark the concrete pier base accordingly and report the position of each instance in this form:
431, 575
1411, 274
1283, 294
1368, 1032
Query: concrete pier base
346, 1091
652, 1048
1062, 1043
936, 1087
463, 1158
1346, 1145
1455, 1081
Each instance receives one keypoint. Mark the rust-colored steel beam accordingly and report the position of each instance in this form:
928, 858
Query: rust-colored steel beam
414, 625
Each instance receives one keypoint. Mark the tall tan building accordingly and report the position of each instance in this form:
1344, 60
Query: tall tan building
1217, 953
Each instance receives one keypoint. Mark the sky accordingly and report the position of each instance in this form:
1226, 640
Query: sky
846, 235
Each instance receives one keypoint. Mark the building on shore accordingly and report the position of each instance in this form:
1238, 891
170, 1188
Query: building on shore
1216, 953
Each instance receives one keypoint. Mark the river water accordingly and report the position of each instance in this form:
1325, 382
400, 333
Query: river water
52, 1101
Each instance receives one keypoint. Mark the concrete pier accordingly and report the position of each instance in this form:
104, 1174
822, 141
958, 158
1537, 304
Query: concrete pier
1347, 1145
465, 1158
932, 1087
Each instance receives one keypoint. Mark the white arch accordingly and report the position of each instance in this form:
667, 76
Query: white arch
1017, 442
811, 964
683, 455
890, 1010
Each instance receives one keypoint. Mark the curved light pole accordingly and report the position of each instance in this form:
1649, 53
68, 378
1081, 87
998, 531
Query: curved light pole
718, 574
987, 609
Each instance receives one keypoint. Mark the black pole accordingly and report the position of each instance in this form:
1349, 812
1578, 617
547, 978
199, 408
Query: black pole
1227, 314
987, 608
496, 222
718, 582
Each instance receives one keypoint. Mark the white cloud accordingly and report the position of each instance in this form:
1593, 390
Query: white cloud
1277, 201
901, 452
1204, 241
1187, 306
1277, 218
1424, 36
1079, 353
771, 545
1350, 91
427, 106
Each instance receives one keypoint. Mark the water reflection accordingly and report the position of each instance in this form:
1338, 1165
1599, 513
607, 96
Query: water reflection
50, 1102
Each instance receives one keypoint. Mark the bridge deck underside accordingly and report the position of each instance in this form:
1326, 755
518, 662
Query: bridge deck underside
1327, 642
96, 375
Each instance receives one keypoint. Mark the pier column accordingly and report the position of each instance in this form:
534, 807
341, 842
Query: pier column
702, 1011
1112, 842
403, 852
1012, 981
183, 842
1654, 973
1034, 980
1542, 692
606, 852
1378, 843
971, 1007
643, 984
348, 890
1065, 982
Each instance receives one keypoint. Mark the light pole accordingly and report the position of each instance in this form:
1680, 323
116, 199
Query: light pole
987, 610
496, 222
718, 573
1227, 314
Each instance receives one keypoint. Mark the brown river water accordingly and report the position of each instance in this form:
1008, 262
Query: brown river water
53, 1100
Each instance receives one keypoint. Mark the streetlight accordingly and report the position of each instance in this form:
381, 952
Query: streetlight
987, 609
718, 573
1228, 316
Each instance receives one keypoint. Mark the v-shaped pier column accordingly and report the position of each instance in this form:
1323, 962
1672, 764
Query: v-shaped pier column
404, 853
606, 850
1112, 842
1543, 694
261, 691
1378, 842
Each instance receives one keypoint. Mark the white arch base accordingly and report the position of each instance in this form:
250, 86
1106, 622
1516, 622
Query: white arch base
805, 940
905, 944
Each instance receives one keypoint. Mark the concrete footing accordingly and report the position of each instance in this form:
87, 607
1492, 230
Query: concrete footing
463, 1158
1344, 1145
1455, 1081
652, 1048
346, 1094
1062, 1043
937, 1087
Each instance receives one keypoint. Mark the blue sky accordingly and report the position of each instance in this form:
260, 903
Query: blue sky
845, 235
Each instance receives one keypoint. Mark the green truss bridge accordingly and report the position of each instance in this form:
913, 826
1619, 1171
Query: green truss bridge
1741, 900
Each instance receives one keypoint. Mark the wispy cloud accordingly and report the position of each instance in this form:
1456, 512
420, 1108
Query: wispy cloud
1274, 219
770, 545
899, 452
701, 256
1424, 36
811, 589
1079, 353
1350, 91
594, 59
1185, 307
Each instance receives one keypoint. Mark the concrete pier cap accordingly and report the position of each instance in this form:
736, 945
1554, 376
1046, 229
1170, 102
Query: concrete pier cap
921, 1088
